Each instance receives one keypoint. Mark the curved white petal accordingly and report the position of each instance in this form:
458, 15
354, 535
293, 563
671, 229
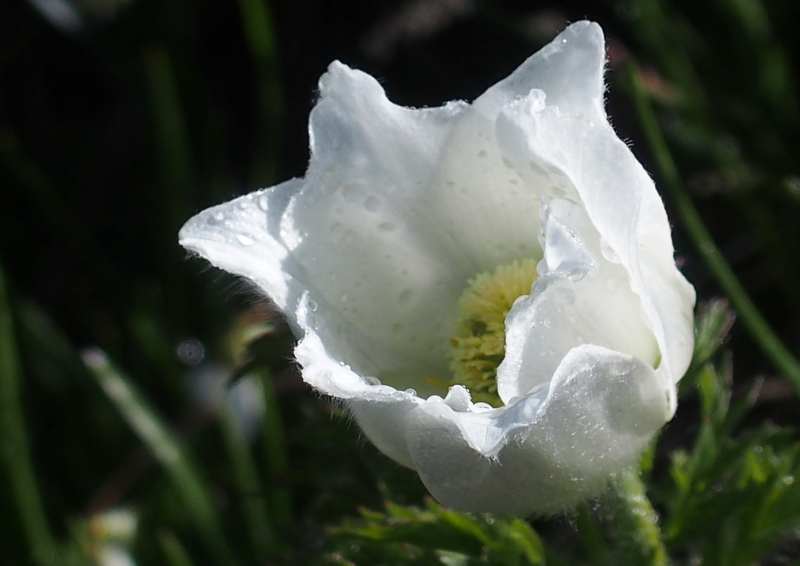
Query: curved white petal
242, 236
407, 205
569, 69
601, 410
579, 298
595, 168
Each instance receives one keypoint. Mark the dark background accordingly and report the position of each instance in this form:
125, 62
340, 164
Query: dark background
114, 132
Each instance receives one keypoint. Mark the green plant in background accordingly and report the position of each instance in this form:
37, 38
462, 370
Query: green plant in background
112, 450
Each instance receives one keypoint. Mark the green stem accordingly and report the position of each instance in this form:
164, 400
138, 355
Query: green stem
251, 493
277, 460
754, 322
633, 523
14, 452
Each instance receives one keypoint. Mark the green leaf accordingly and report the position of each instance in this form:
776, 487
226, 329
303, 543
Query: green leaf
411, 534
14, 449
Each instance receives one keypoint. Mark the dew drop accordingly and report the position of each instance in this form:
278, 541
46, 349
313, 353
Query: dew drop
245, 240
217, 217
576, 275
387, 227
482, 154
344, 297
411, 391
372, 380
336, 231
372, 204
263, 202
405, 296
349, 192
507, 163
608, 252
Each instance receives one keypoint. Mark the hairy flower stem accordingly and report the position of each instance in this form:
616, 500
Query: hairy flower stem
633, 523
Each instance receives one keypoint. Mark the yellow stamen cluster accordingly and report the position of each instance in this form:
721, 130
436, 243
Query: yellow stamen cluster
478, 345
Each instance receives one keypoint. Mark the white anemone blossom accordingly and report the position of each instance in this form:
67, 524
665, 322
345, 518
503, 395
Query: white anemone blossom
489, 288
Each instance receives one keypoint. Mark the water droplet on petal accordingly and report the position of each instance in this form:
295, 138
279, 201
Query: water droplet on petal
482, 154
336, 231
263, 202
608, 252
349, 192
387, 227
372, 204
576, 275
245, 240
405, 296
217, 217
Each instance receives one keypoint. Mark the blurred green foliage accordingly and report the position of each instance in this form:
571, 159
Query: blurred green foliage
127, 372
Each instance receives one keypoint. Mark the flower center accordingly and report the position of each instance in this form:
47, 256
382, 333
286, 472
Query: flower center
478, 345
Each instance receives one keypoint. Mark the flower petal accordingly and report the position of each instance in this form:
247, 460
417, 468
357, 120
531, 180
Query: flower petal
242, 236
576, 300
569, 70
601, 410
381, 410
584, 154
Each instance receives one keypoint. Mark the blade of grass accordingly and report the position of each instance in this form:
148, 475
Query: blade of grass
173, 549
152, 430
172, 138
277, 461
259, 32
748, 313
15, 453
251, 491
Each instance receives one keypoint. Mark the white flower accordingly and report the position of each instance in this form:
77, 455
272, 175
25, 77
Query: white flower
406, 215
